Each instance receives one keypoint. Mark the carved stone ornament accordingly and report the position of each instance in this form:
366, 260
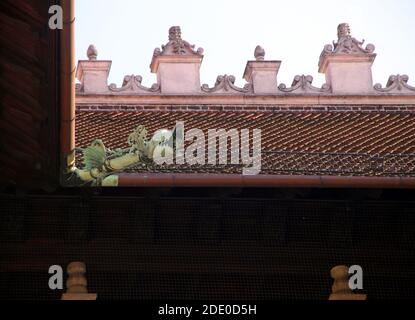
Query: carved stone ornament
259, 53
346, 44
396, 84
226, 84
92, 53
303, 84
132, 84
177, 46
78, 88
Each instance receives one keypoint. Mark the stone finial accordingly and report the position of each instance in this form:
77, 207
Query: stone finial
92, 53
341, 289
177, 65
92, 73
261, 73
347, 65
177, 46
175, 33
343, 31
346, 44
259, 53
77, 283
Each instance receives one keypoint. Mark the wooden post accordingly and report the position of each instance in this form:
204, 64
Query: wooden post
77, 283
341, 289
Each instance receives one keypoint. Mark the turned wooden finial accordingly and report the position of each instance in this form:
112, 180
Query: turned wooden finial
340, 274
77, 283
341, 289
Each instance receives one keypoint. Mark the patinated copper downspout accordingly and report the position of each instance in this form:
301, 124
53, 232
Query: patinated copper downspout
229, 180
67, 84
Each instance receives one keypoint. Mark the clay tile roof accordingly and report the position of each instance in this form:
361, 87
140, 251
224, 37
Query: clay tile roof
327, 143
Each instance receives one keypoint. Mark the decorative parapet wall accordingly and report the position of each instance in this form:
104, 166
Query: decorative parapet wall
346, 65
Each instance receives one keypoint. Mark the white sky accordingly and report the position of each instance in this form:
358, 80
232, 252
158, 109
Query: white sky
127, 31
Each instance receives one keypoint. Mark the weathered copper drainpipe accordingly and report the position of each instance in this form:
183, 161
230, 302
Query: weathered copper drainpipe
67, 83
231, 180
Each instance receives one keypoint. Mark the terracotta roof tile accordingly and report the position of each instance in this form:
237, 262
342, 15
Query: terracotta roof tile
333, 143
